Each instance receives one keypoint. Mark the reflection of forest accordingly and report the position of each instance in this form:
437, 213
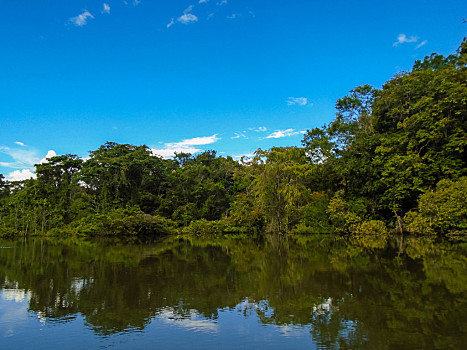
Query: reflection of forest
362, 292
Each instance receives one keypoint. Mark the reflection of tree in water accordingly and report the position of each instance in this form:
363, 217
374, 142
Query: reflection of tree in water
353, 293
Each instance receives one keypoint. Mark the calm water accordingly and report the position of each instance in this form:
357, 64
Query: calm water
314, 292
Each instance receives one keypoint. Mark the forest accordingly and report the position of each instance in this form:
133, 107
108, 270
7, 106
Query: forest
392, 161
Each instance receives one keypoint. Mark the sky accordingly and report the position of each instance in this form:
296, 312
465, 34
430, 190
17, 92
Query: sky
195, 75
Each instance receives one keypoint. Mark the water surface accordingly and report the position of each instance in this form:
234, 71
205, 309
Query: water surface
303, 292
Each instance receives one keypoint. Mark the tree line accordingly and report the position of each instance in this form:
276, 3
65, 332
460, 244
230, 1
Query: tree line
392, 160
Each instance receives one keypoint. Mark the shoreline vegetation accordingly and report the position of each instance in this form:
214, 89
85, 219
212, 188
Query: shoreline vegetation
392, 161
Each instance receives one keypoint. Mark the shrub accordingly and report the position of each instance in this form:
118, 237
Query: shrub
371, 227
205, 227
442, 211
129, 221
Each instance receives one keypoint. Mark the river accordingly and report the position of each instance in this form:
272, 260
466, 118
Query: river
233, 292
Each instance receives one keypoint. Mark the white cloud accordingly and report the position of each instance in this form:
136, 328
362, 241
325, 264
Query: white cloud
222, 2
20, 143
238, 135
424, 42
185, 146
232, 16
106, 8
170, 152
81, 19
203, 1
23, 158
20, 175
187, 18
136, 2
246, 157
284, 133
258, 129
196, 141
301, 101
171, 23
51, 153
402, 39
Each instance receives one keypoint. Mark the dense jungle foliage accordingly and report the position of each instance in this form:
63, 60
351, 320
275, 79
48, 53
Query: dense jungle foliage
391, 161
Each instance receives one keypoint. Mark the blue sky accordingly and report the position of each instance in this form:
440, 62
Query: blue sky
229, 75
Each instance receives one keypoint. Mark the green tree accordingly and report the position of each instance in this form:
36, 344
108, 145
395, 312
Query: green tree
117, 175
280, 186
200, 187
57, 184
386, 147
422, 121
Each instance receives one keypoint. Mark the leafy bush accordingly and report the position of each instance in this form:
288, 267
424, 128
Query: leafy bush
205, 227
243, 217
341, 216
371, 227
128, 221
315, 218
441, 211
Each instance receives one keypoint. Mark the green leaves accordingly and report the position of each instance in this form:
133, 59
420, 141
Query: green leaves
441, 210
392, 145
281, 186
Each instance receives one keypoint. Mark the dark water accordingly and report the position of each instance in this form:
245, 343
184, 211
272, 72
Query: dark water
313, 292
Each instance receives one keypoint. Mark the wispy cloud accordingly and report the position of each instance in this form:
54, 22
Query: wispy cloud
185, 146
424, 42
202, 1
403, 38
259, 129
197, 141
239, 135
81, 19
222, 2
232, 16
283, 133
136, 2
300, 101
106, 8
24, 161
23, 158
187, 17
171, 23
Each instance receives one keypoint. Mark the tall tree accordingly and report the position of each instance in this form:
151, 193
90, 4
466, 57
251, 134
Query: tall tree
56, 183
280, 186
121, 174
